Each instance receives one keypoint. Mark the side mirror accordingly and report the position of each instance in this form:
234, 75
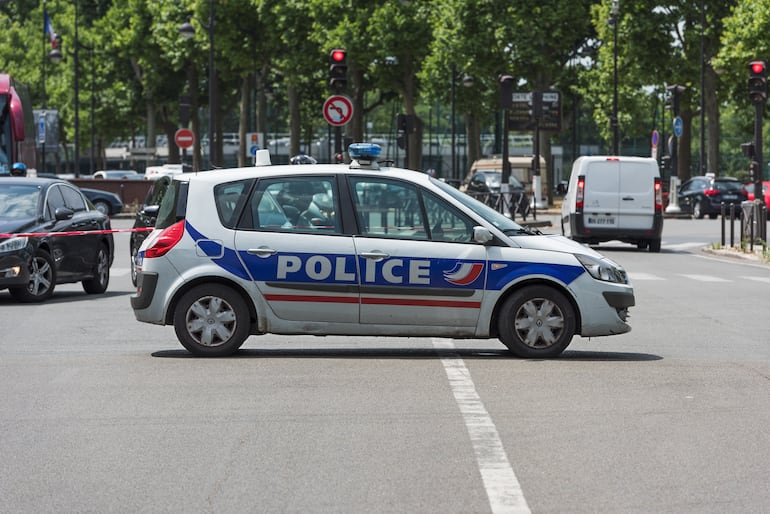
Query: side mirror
482, 235
62, 213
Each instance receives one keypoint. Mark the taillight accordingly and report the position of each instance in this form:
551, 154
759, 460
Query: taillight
658, 195
166, 241
580, 193
711, 192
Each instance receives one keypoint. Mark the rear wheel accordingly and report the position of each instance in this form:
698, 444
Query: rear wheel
654, 245
101, 274
42, 279
697, 210
211, 320
134, 252
102, 207
537, 322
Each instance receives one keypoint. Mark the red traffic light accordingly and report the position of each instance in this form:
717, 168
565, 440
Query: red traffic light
757, 67
337, 55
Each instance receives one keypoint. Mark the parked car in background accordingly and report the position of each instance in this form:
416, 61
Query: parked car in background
104, 201
704, 195
765, 191
153, 172
117, 175
32, 266
145, 218
485, 187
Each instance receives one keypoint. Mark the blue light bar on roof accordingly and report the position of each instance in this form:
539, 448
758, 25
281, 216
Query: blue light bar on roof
364, 151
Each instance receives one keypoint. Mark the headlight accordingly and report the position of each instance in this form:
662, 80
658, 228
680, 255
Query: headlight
13, 244
603, 269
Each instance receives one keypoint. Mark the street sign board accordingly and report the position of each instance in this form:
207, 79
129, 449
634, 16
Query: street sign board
184, 138
541, 108
338, 110
678, 126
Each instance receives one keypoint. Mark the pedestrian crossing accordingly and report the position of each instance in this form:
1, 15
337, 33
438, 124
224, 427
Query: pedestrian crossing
650, 277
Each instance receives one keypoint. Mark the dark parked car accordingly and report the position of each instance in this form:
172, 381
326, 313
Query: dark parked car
32, 265
104, 201
485, 187
145, 218
705, 195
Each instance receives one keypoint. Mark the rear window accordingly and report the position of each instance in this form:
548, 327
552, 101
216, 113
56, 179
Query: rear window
727, 185
173, 206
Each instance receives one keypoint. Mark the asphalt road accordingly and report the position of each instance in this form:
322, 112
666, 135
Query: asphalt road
100, 413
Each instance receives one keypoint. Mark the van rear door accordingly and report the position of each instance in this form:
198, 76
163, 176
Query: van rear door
636, 195
601, 201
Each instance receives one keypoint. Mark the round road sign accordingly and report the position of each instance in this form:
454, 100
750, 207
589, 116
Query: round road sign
184, 138
678, 126
338, 110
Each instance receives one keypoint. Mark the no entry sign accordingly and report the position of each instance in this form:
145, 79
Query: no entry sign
184, 138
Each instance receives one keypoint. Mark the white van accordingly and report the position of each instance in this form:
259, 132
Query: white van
614, 198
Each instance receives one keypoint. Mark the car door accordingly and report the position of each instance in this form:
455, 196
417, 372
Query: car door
418, 264
601, 194
83, 248
296, 253
636, 205
690, 192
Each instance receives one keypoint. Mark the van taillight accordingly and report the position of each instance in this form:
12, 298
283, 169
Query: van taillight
579, 194
658, 195
166, 240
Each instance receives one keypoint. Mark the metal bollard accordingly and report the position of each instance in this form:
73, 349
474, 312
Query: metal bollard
722, 218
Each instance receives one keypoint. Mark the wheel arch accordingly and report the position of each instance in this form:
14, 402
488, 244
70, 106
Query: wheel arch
534, 281
169, 314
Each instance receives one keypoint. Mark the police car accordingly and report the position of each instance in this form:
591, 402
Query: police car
363, 249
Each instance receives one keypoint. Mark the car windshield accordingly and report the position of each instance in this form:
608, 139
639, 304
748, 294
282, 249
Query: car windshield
18, 201
497, 219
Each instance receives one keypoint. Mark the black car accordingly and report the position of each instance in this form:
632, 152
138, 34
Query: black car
145, 218
485, 187
704, 195
32, 265
104, 201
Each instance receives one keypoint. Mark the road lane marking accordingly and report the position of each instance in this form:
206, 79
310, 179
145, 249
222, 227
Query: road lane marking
705, 278
502, 487
757, 279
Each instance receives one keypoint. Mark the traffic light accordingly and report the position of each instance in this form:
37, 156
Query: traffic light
338, 69
757, 82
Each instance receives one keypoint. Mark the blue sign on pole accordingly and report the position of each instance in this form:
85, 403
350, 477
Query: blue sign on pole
678, 126
41, 128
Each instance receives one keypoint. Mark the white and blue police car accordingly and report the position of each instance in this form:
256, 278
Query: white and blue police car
363, 249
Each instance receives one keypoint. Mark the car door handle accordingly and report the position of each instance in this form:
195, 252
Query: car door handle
628, 198
261, 251
375, 255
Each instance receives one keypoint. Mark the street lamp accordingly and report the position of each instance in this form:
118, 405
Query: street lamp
188, 31
614, 119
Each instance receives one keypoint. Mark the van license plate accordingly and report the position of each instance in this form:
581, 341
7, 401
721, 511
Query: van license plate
601, 220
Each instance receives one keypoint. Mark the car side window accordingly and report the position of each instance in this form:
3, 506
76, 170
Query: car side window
296, 204
446, 223
229, 198
387, 208
73, 199
54, 200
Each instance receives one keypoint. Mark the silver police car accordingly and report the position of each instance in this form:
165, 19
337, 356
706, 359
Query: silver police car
363, 249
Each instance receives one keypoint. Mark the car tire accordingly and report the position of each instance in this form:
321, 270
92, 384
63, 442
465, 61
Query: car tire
211, 320
134, 252
697, 210
537, 322
102, 207
101, 273
713, 216
654, 245
642, 245
42, 279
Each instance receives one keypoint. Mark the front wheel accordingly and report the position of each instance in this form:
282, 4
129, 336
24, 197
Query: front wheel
211, 320
537, 322
134, 271
42, 279
697, 210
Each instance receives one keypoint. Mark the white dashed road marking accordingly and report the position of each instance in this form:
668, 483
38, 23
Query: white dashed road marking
502, 487
706, 278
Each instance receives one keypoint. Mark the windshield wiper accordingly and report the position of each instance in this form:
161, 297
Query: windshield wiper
530, 231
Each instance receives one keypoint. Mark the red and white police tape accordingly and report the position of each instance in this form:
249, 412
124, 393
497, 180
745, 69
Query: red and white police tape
76, 232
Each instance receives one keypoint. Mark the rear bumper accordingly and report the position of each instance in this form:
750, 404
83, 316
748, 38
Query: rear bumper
596, 235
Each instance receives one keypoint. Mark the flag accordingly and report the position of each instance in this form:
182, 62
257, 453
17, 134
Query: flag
48, 29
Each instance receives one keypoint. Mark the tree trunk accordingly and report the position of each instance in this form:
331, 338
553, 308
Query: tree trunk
243, 119
712, 117
295, 125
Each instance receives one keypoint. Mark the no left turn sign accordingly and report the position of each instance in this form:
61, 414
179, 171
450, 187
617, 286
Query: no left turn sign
338, 110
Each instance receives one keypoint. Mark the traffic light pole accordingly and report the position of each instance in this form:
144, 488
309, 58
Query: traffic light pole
758, 174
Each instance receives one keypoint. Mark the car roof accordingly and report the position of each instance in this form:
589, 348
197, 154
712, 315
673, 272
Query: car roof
34, 181
233, 174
